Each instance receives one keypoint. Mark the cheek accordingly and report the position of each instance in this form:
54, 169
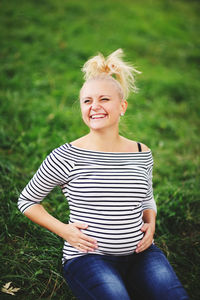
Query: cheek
115, 110
84, 112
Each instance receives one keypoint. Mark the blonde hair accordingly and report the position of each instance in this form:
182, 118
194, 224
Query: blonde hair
99, 67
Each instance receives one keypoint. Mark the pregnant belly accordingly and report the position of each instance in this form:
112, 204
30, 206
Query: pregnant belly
115, 236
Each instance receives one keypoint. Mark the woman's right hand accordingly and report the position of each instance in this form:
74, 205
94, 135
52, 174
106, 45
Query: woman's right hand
69, 232
77, 239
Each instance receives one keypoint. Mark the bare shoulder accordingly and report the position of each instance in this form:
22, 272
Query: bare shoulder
132, 146
78, 142
144, 147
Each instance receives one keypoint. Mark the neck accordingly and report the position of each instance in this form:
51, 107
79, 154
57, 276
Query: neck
103, 141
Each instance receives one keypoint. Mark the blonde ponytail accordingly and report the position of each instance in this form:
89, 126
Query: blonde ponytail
113, 65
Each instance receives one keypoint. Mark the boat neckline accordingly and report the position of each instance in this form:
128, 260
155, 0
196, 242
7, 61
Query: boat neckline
104, 152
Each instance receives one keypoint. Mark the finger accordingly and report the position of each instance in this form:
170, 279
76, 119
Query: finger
144, 245
80, 225
84, 248
144, 240
141, 248
87, 238
144, 227
82, 235
81, 248
89, 244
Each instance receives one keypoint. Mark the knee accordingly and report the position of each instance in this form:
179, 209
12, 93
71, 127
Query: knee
113, 291
109, 287
166, 285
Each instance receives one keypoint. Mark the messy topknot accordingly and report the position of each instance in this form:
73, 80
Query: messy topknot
113, 66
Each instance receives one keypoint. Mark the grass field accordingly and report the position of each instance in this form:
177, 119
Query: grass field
43, 46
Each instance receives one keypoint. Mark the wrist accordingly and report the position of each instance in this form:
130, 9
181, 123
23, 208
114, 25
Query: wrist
149, 217
62, 230
152, 225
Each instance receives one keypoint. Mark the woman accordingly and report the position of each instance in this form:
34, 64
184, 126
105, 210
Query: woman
108, 251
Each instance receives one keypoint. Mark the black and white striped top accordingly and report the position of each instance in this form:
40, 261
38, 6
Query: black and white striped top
106, 190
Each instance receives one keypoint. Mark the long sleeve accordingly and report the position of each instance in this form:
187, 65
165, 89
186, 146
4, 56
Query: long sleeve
53, 172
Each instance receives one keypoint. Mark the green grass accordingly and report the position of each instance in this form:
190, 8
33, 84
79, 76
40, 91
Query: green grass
43, 46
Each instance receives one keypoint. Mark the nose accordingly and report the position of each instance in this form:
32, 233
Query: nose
95, 105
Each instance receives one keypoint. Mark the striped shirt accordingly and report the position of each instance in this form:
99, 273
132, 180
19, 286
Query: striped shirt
106, 190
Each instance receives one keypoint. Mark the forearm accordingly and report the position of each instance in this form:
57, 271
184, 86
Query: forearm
39, 215
69, 232
149, 216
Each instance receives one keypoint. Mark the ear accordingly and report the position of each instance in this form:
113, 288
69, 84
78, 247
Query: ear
124, 105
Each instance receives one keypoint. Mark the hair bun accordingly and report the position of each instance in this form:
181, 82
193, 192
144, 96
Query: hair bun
113, 65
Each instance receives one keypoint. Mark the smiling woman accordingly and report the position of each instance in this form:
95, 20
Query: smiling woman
109, 251
103, 101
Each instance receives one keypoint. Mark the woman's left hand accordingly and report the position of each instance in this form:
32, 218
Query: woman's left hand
147, 240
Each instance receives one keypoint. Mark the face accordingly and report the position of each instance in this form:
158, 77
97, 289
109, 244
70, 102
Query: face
101, 104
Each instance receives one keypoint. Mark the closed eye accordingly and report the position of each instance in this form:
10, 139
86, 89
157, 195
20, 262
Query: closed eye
86, 101
106, 99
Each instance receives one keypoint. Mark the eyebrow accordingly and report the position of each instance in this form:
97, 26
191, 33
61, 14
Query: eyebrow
88, 97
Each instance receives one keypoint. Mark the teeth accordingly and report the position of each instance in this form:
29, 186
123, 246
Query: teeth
97, 116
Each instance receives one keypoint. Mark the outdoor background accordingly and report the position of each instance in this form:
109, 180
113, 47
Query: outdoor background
43, 45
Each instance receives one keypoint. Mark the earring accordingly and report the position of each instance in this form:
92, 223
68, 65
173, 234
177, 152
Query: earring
122, 114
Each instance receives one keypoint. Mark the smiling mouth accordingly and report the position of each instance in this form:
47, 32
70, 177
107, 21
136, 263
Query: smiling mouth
99, 116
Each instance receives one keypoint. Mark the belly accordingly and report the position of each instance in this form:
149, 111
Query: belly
117, 233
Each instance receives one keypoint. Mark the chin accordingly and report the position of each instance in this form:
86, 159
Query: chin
97, 127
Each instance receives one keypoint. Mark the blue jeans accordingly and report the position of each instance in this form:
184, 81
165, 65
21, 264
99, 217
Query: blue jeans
146, 275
